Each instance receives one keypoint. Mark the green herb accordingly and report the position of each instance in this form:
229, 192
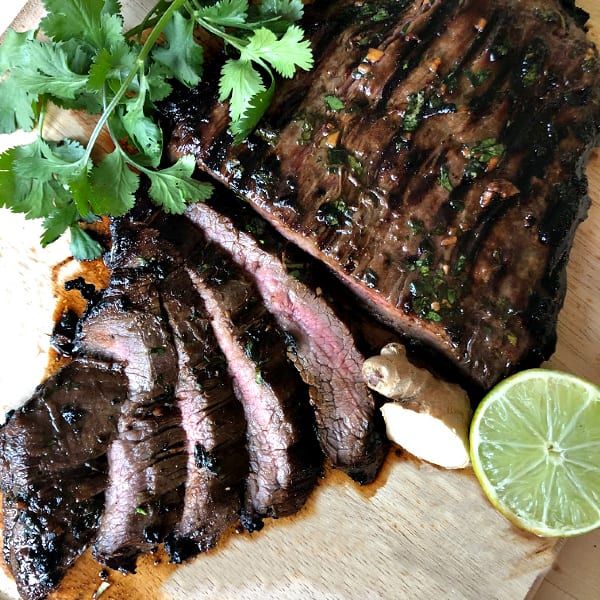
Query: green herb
477, 77
512, 339
334, 103
480, 155
337, 157
532, 65
444, 179
88, 62
158, 350
416, 226
335, 214
355, 165
141, 511
500, 49
414, 110
459, 266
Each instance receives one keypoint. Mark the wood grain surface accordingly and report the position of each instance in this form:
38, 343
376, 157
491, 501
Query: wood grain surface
418, 532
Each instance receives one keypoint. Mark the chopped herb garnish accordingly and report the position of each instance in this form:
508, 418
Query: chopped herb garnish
416, 226
337, 157
355, 165
141, 511
444, 179
499, 50
158, 350
480, 155
477, 77
512, 339
334, 103
335, 214
433, 316
414, 110
533, 63
461, 261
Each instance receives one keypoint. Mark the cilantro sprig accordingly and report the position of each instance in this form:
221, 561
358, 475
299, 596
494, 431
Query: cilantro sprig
86, 61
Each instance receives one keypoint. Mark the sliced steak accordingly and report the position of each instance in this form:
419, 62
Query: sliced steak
53, 471
433, 158
213, 420
148, 460
283, 452
322, 347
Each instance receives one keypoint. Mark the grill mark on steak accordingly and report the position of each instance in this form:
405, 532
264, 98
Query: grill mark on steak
213, 420
323, 350
53, 471
148, 460
357, 207
283, 453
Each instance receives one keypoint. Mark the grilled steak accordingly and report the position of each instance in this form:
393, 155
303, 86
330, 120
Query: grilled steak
433, 159
282, 447
148, 460
213, 420
323, 349
53, 471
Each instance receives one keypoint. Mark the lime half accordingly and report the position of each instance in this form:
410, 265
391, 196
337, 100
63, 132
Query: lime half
535, 448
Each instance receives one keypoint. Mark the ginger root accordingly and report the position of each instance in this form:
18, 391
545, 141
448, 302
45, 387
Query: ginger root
428, 417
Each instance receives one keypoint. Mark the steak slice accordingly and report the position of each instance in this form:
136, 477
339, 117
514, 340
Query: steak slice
323, 349
284, 456
440, 174
53, 471
213, 419
148, 460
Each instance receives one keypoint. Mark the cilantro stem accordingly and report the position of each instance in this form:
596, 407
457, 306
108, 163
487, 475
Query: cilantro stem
139, 63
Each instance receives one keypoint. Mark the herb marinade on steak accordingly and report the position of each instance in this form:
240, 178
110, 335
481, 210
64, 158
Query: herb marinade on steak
433, 158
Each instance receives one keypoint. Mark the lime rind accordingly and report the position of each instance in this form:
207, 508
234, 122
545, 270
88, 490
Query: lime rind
535, 448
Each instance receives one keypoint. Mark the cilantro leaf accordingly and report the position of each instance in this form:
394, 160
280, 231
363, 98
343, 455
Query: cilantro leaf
257, 107
181, 55
110, 64
285, 11
81, 191
143, 131
226, 13
13, 49
43, 160
283, 54
57, 222
158, 86
173, 187
114, 185
16, 102
83, 247
49, 72
16, 107
7, 178
96, 22
239, 83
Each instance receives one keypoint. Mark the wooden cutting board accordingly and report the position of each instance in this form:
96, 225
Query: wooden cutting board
418, 532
